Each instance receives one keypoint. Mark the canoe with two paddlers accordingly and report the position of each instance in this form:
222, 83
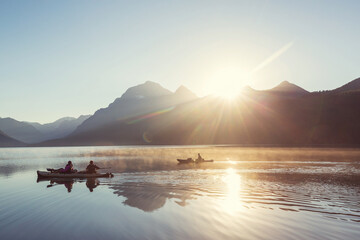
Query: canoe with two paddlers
43, 174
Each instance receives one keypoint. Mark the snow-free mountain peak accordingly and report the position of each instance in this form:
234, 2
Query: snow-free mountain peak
247, 88
184, 91
33, 132
145, 90
352, 86
287, 87
21, 131
137, 101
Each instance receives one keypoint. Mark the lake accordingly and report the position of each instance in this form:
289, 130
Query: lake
246, 193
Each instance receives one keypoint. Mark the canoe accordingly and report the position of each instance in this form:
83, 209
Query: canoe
190, 160
186, 160
211, 160
43, 174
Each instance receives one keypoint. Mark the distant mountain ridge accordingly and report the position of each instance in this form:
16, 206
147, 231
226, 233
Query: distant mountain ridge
287, 87
6, 141
145, 90
21, 131
185, 92
285, 114
28, 132
351, 86
60, 128
138, 100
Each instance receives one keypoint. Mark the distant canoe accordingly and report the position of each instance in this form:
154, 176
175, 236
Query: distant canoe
186, 160
43, 174
190, 160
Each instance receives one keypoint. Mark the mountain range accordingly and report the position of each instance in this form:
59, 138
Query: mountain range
285, 115
28, 132
150, 114
60, 128
136, 101
288, 88
6, 141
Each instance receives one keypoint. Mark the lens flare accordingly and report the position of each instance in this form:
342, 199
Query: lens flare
150, 115
147, 137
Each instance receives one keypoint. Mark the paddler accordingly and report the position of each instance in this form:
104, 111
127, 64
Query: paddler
68, 168
91, 168
199, 158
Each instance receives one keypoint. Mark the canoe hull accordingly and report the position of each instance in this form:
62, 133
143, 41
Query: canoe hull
43, 174
192, 161
186, 161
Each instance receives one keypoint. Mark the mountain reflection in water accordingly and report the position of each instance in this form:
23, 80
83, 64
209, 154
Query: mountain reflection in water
151, 196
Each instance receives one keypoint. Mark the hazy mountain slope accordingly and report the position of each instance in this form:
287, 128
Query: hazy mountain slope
35, 132
60, 128
22, 131
146, 90
145, 98
255, 117
274, 119
206, 121
349, 87
185, 93
6, 141
289, 88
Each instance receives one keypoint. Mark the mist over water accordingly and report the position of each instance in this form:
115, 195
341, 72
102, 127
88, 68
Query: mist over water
246, 193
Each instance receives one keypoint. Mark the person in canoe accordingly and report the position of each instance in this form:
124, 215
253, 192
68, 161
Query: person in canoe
69, 168
199, 158
91, 168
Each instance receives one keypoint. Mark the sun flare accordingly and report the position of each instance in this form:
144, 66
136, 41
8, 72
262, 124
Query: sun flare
228, 93
227, 82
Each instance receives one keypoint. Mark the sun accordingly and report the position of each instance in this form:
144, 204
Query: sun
228, 93
227, 82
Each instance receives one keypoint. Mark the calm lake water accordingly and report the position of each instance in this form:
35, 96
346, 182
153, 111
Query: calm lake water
247, 193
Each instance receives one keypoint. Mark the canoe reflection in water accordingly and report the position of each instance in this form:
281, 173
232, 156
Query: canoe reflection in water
68, 183
91, 183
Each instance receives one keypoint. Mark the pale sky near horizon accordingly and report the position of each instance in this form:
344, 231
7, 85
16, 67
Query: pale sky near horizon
68, 58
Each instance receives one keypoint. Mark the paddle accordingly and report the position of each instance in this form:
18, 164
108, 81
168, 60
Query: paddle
51, 185
85, 172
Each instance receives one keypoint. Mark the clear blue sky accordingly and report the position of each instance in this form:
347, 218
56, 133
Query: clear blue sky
67, 58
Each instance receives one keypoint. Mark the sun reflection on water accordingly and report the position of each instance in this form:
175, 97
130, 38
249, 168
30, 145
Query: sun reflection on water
233, 201
229, 161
